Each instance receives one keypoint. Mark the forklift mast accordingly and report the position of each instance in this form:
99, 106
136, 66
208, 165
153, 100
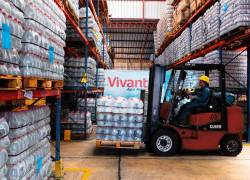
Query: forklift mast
156, 80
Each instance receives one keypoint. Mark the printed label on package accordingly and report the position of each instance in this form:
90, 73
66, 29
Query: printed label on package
125, 83
39, 164
28, 94
51, 55
6, 37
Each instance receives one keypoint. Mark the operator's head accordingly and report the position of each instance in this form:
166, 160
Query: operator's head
204, 81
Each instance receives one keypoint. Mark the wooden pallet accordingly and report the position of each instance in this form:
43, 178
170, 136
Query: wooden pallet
57, 84
69, 136
234, 32
118, 144
35, 83
10, 82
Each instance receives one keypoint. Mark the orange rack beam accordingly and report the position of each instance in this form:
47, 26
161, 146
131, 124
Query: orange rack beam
19, 94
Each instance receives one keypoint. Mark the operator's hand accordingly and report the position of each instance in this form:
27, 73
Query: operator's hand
191, 97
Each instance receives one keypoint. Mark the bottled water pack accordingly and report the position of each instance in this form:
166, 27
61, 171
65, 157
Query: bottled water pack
119, 119
75, 68
27, 143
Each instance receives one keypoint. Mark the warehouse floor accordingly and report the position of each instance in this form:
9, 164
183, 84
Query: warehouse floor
83, 161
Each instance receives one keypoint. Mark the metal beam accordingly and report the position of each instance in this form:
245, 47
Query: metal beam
132, 47
132, 40
116, 53
132, 32
130, 58
248, 93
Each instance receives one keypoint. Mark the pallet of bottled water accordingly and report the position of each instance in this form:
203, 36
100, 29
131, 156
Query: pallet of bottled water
11, 33
119, 120
26, 139
4, 144
91, 106
75, 69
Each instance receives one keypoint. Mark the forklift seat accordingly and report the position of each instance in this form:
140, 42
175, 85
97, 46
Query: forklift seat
213, 105
204, 119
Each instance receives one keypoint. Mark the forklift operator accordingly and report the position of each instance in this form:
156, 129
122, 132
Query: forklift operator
199, 99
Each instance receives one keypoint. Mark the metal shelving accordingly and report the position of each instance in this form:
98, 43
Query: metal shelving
91, 48
20, 94
243, 35
193, 18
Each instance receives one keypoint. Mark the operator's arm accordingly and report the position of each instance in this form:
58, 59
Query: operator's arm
202, 96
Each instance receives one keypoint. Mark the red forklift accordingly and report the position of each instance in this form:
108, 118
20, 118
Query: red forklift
216, 127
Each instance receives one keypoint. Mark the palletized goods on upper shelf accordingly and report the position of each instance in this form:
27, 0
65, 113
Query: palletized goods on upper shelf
100, 78
33, 38
75, 69
221, 18
236, 70
94, 34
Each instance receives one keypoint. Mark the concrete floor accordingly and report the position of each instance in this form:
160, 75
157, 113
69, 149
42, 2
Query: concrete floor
83, 161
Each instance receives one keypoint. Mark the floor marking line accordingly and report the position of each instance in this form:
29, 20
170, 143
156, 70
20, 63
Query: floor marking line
86, 172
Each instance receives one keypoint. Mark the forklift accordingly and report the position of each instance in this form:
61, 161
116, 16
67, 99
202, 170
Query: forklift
216, 127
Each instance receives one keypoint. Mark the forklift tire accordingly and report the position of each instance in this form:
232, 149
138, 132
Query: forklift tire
230, 146
165, 143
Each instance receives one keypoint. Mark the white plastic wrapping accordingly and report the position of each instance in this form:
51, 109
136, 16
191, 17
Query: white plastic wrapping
4, 127
3, 157
119, 119
22, 118
4, 142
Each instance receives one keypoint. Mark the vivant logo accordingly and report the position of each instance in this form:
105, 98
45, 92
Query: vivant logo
129, 83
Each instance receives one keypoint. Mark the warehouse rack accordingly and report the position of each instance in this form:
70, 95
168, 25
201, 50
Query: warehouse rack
12, 95
83, 37
100, 8
172, 36
235, 39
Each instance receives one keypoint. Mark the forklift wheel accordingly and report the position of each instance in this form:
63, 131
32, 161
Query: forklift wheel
164, 143
230, 146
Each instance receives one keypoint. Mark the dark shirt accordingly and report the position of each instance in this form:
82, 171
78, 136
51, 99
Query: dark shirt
202, 95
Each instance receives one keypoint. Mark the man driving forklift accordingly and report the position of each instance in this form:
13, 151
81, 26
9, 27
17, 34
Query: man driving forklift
199, 99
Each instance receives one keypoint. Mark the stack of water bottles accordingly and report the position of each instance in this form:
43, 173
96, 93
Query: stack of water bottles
233, 14
105, 55
4, 144
119, 119
11, 32
212, 58
197, 34
100, 78
91, 106
165, 23
76, 122
236, 69
212, 23
43, 40
75, 69
192, 79
177, 49
29, 149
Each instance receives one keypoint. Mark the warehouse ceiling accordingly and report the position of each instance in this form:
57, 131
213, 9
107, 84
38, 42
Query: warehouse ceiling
131, 27
132, 39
